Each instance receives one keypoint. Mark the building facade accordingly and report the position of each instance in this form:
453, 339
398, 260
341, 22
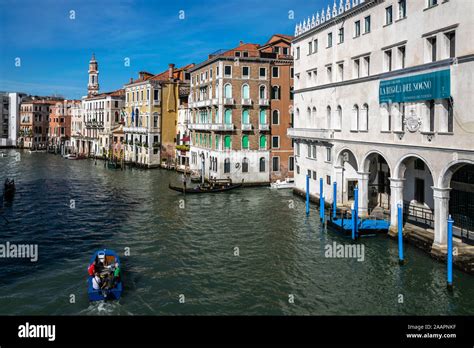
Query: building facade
34, 122
232, 99
151, 111
383, 93
59, 130
10, 118
183, 134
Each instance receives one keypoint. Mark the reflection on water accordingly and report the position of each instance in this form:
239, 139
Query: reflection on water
186, 246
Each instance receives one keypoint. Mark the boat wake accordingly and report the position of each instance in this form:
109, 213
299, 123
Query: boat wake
105, 308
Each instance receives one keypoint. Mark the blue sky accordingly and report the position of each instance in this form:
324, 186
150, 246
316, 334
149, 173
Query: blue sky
55, 50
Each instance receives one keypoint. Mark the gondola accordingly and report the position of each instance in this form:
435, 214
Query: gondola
9, 189
207, 188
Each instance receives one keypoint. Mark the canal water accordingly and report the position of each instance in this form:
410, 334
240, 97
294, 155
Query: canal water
187, 246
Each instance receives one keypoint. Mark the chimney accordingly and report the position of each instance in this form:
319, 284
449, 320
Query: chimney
241, 43
170, 71
131, 79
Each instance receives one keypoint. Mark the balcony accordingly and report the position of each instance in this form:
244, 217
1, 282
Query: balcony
200, 126
263, 102
229, 101
215, 101
311, 133
246, 126
222, 127
263, 127
135, 130
246, 102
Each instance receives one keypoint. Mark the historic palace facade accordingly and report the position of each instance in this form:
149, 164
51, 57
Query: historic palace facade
383, 101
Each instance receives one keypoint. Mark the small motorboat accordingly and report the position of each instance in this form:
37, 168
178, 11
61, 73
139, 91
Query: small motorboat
9, 189
113, 290
288, 183
213, 186
70, 156
3, 154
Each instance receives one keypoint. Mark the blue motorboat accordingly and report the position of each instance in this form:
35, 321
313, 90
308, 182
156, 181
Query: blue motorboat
104, 262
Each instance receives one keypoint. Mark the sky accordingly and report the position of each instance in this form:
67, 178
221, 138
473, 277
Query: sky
46, 45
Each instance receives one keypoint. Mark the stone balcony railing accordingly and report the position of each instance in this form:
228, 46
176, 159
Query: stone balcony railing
311, 133
211, 126
246, 126
229, 101
263, 102
246, 101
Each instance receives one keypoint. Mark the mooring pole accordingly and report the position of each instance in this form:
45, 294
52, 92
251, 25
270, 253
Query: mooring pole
321, 199
321, 208
334, 200
356, 209
450, 253
353, 224
400, 234
307, 194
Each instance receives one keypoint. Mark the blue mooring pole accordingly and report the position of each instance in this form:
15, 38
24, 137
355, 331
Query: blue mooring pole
321, 199
450, 253
400, 234
334, 200
307, 194
356, 208
321, 208
353, 224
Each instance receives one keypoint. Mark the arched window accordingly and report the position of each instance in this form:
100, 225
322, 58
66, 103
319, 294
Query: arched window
263, 117
245, 142
262, 164
227, 165
328, 118
355, 118
245, 165
137, 114
228, 116
263, 92
386, 118
276, 117
263, 142
364, 119
227, 142
275, 92
228, 91
308, 112
245, 92
245, 116
339, 117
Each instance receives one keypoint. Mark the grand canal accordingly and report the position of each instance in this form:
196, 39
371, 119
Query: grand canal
187, 246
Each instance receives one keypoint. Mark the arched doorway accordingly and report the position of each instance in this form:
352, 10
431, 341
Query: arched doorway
347, 176
376, 171
459, 177
417, 191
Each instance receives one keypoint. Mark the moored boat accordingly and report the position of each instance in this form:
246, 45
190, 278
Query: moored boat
214, 186
283, 184
105, 263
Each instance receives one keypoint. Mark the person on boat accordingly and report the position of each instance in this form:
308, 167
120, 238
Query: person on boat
91, 269
100, 263
116, 277
96, 282
183, 179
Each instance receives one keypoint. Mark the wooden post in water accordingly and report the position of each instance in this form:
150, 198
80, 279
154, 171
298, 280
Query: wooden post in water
334, 200
400, 234
307, 194
321, 199
450, 253
356, 209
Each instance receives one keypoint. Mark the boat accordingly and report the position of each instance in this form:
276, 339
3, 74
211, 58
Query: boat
213, 186
70, 156
195, 176
9, 189
3, 154
110, 257
283, 184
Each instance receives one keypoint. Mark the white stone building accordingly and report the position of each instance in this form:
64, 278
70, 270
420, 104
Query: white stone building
9, 118
383, 100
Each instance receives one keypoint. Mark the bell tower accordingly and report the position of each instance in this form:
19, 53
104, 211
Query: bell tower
93, 85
